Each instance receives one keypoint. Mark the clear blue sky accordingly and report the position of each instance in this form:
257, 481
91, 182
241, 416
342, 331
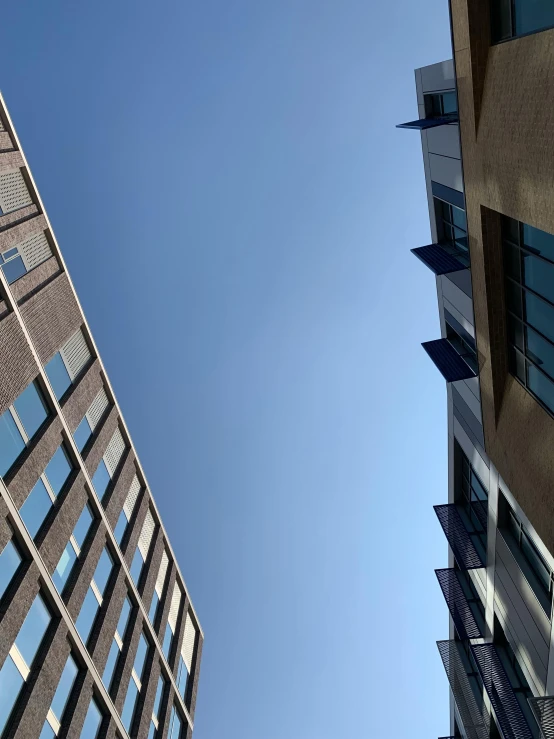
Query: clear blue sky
236, 209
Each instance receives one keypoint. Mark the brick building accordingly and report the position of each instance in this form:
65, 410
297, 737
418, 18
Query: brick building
98, 636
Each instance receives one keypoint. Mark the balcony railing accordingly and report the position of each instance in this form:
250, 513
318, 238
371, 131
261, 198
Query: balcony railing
509, 714
543, 710
463, 549
473, 715
460, 610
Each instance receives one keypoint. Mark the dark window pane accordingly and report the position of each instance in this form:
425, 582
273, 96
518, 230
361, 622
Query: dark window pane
33, 629
10, 559
540, 315
47, 732
86, 616
124, 618
103, 571
517, 364
541, 386
58, 375
501, 20
512, 261
120, 528
140, 657
539, 276
158, 698
58, 469
168, 636
129, 705
513, 298
110, 664
35, 508
92, 722
539, 241
11, 442
101, 479
31, 409
82, 526
533, 15
459, 218
136, 566
11, 683
14, 269
153, 607
82, 434
515, 331
479, 491
64, 688
63, 570
540, 351
449, 103
536, 561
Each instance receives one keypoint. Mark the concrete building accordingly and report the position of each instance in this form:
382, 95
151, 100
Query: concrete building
98, 636
487, 132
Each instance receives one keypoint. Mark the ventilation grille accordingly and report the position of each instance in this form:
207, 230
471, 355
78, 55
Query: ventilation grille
511, 719
1, 126
175, 605
463, 549
474, 718
35, 249
97, 409
114, 452
13, 192
189, 639
459, 608
543, 710
162, 572
146, 535
75, 353
131, 498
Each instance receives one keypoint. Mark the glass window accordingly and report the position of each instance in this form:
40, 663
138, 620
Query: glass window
31, 409
101, 479
168, 636
82, 434
64, 688
64, 567
82, 526
540, 351
86, 616
10, 559
14, 269
92, 723
47, 732
182, 677
140, 656
58, 470
532, 15
136, 566
153, 607
33, 629
35, 508
11, 442
124, 618
151, 731
129, 705
58, 375
540, 385
11, 683
103, 571
539, 276
110, 664
158, 698
174, 725
539, 241
120, 528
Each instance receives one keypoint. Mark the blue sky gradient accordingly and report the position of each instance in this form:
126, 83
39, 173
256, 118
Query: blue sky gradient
236, 210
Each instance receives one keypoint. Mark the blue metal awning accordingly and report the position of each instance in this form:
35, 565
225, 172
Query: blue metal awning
447, 360
460, 610
463, 549
509, 713
437, 259
424, 123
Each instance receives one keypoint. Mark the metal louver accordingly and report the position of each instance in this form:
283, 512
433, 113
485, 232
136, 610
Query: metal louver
146, 534
131, 499
474, 717
34, 250
543, 711
114, 452
189, 640
424, 123
13, 191
75, 354
459, 608
174, 609
97, 408
437, 259
447, 360
463, 549
160, 580
509, 714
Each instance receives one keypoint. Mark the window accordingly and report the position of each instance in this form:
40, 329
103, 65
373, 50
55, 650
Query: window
93, 721
101, 479
67, 364
59, 702
16, 669
19, 424
182, 677
135, 683
452, 230
109, 463
110, 664
12, 265
28, 254
73, 549
537, 572
57, 373
168, 638
93, 598
153, 607
529, 270
10, 559
143, 547
91, 419
41, 498
511, 18
441, 105
103, 571
156, 710
117, 644
175, 725
462, 341
136, 566
82, 434
127, 511
159, 587
472, 499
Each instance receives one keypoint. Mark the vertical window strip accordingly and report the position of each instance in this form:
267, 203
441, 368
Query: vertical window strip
162, 572
174, 609
114, 452
132, 497
61, 696
97, 409
146, 535
72, 550
75, 354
